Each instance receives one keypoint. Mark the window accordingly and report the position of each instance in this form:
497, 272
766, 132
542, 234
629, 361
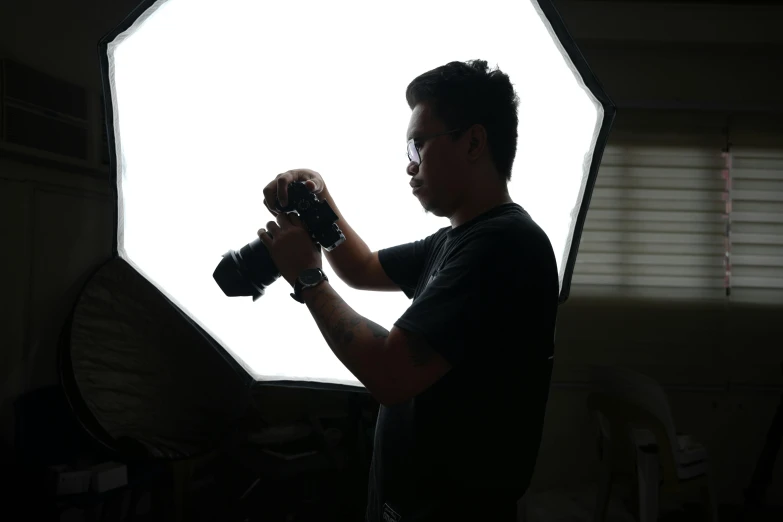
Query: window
680, 213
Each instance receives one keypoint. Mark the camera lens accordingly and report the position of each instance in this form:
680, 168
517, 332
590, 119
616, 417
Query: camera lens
246, 272
250, 270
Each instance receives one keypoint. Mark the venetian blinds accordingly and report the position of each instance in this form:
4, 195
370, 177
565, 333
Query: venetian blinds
680, 212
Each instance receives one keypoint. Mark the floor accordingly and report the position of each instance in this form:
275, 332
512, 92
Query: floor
692, 513
576, 504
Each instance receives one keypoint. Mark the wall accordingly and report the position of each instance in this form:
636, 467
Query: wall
718, 56
57, 227
56, 223
60, 38
719, 365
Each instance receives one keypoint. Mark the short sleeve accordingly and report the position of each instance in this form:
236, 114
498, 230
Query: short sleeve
404, 264
493, 292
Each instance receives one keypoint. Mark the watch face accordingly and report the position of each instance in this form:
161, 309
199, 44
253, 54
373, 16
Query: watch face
310, 276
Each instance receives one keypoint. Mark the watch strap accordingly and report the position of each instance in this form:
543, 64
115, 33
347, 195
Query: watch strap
299, 286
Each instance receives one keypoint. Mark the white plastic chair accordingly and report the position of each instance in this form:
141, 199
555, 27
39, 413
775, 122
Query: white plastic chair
638, 435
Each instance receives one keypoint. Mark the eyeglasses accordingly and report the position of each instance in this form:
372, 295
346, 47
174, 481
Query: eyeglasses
414, 154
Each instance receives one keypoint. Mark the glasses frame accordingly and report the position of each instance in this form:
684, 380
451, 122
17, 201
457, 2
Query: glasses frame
423, 140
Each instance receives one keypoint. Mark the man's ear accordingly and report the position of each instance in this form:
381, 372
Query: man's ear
478, 141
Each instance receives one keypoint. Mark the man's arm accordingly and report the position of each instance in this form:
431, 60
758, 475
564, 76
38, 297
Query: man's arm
394, 366
352, 261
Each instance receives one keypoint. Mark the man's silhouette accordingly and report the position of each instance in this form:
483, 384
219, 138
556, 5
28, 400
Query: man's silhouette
463, 376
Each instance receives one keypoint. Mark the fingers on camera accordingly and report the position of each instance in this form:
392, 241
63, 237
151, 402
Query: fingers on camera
270, 209
272, 227
283, 221
277, 192
270, 198
282, 187
293, 219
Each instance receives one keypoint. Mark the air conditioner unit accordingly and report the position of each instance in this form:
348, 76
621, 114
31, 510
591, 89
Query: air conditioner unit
45, 119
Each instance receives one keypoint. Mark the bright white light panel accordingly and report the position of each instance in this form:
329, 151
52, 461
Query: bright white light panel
213, 99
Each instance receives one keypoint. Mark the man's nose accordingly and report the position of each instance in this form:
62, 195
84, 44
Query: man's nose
413, 168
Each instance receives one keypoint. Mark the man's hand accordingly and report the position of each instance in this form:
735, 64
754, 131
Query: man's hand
277, 190
290, 246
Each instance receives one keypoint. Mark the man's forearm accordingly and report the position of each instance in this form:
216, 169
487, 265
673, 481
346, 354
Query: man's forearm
355, 340
351, 255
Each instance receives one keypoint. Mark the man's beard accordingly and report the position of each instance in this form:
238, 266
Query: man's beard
430, 209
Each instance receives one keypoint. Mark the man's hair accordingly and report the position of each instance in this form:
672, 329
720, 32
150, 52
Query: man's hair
462, 94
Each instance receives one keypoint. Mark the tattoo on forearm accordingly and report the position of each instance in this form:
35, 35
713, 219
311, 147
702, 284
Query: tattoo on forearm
343, 328
340, 325
339, 319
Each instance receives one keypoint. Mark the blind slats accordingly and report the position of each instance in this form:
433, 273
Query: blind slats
770, 194
761, 216
682, 225
629, 236
630, 258
601, 200
757, 225
670, 281
653, 292
743, 272
657, 224
762, 159
625, 270
652, 177
773, 228
758, 281
684, 249
739, 206
739, 251
742, 174
768, 296
748, 240
617, 194
749, 261
660, 216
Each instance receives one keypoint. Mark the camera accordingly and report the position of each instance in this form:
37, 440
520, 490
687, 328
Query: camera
250, 270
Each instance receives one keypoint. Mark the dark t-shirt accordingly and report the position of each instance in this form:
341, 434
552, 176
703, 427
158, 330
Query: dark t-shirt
485, 298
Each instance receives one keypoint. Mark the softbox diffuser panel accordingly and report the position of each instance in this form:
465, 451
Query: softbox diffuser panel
208, 101
135, 369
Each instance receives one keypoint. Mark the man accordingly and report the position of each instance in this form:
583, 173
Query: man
463, 376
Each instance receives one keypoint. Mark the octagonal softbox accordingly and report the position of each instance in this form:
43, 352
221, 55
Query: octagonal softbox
208, 101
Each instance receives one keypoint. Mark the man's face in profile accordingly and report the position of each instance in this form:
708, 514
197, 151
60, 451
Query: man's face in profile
438, 179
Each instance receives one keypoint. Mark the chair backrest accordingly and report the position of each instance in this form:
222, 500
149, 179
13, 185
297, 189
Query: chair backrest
625, 401
636, 389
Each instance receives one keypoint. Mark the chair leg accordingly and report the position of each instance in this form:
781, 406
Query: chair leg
649, 479
709, 498
604, 490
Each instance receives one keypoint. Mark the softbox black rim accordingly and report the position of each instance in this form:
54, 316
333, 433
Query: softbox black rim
591, 82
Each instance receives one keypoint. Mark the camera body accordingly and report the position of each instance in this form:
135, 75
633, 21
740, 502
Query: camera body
250, 270
317, 216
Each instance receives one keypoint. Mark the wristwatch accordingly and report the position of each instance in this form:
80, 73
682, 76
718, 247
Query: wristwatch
309, 278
